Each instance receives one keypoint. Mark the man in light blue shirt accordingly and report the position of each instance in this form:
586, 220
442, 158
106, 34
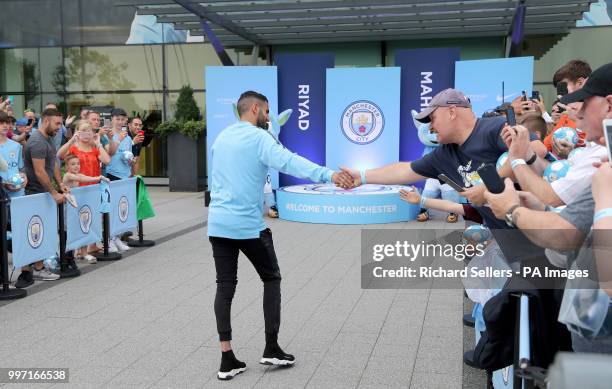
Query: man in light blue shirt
119, 142
119, 167
12, 153
240, 157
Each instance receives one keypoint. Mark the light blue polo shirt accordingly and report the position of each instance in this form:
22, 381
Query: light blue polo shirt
240, 157
118, 167
12, 153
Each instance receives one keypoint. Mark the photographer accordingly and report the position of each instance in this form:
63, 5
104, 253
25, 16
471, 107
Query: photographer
23, 130
138, 139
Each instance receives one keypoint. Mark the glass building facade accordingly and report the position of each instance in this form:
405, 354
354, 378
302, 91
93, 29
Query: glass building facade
74, 53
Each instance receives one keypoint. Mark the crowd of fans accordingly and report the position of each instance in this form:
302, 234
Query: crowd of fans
50, 154
558, 197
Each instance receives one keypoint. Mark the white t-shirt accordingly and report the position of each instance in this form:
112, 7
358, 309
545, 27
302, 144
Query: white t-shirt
580, 173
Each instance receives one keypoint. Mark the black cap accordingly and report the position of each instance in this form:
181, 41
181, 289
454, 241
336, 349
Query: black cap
118, 112
598, 84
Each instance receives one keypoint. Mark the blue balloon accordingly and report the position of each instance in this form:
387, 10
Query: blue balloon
567, 134
477, 233
556, 170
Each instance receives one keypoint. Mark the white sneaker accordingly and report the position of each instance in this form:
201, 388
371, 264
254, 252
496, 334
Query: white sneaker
120, 245
44, 274
90, 258
112, 247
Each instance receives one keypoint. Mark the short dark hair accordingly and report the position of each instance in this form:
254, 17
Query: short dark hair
573, 70
118, 112
243, 102
130, 120
535, 123
4, 117
49, 112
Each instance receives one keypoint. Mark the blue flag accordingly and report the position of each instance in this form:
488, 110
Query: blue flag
84, 223
34, 228
122, 206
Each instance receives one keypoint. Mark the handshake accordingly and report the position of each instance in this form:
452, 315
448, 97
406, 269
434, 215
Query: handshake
347, 178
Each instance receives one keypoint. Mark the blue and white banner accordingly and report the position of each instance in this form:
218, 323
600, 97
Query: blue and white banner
34, 228
83, 223
490, 82
224, 85
123, 206
301, 88
425, 72
325, 203
362, 117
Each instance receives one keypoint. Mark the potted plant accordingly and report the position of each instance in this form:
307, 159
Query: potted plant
186, 135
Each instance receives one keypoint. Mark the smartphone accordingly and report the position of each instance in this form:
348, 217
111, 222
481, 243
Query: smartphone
30, 122
451, 183
535, 95
607, 125
141, 133
490, 177
562, 89
123, 129
107, 123
510, 116
524, 93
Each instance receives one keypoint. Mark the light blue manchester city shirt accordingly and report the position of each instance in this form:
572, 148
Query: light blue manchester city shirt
240, 158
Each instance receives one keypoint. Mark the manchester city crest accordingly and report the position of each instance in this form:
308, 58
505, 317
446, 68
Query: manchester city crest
36, 231
124, 209
362, 122
85, 218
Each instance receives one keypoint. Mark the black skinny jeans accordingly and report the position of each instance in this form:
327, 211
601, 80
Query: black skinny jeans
260, 252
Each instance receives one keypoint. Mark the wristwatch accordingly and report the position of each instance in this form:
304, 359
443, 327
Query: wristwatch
509, 218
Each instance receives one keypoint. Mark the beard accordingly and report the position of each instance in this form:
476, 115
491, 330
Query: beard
261, 121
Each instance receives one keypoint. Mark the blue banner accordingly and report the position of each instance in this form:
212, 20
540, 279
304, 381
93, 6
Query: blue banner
83, 223
425, 72
301, 88
34, 228
123, 206
324, 203
362, 117
224, 85
490, 82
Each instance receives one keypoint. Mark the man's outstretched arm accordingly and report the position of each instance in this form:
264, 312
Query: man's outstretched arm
399, 173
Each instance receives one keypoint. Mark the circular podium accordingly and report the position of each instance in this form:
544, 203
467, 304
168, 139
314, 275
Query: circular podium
328, 204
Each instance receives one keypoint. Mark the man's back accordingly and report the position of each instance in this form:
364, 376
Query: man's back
238, 177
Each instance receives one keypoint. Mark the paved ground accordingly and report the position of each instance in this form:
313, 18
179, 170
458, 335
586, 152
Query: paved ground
146, 321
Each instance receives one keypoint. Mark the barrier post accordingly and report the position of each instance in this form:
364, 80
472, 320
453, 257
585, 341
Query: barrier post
63, 258
141, 242
106, 256
6, 293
